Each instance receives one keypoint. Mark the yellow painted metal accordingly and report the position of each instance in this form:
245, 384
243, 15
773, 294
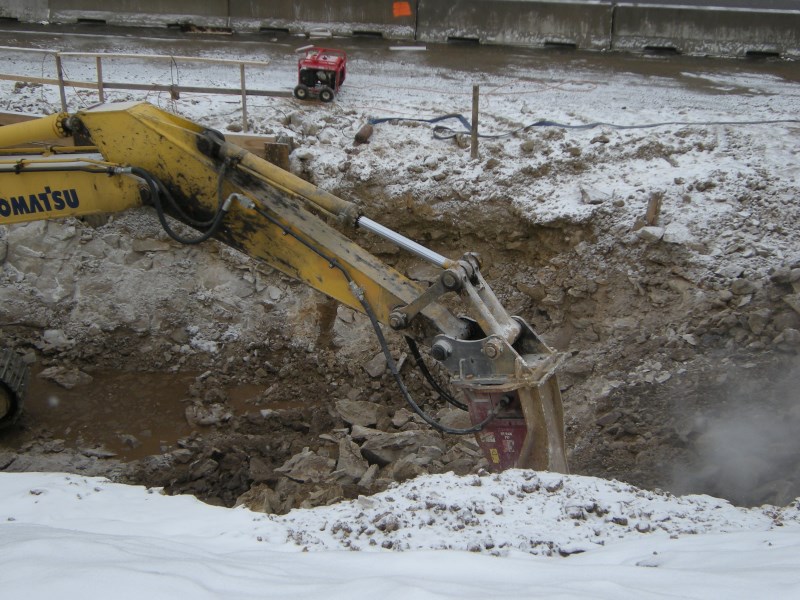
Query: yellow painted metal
288, 183
46, 128
37, 195
169, 147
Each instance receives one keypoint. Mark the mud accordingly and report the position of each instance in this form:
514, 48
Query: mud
142, 413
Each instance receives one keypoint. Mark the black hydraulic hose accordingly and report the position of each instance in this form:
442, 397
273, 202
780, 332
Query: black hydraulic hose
407, 395
384, 345
182, 216
157, 188
442, 132
163, 191
412, 345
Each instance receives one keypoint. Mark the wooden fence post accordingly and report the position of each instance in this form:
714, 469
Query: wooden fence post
61, 82
474, 136
100, 90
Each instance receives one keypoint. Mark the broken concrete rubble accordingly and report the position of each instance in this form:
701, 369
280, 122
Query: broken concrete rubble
366, 414
307, 467
386, 448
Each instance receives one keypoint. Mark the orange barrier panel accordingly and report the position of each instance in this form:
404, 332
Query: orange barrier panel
392, 19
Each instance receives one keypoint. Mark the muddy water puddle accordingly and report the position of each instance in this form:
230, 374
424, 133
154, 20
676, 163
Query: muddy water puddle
125, 414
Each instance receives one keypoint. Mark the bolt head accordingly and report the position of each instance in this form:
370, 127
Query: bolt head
450, 280
441, 350
397, 320
493, 348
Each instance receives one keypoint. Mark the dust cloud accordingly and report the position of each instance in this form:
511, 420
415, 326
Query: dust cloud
748, 449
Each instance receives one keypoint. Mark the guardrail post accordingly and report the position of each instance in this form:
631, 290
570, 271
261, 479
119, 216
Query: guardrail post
61, 82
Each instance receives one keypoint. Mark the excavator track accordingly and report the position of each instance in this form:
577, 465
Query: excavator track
14, 375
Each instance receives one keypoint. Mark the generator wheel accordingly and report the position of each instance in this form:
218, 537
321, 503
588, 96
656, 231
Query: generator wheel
326, 94
301, 92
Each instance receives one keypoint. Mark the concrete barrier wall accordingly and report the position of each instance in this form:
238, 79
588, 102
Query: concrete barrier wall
207, 13
706, 31
248, 12
30, 11
389, 18
517, 22
584, 24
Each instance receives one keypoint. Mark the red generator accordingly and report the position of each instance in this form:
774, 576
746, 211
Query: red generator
320, 73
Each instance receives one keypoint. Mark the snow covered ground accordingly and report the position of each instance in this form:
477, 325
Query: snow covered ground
74, 537
673, 125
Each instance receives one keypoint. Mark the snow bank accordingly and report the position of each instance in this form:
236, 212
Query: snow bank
538, 513
81, 537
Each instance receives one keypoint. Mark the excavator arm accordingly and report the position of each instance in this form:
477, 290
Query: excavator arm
138, 154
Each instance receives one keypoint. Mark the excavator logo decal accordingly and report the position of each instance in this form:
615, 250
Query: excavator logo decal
44, 202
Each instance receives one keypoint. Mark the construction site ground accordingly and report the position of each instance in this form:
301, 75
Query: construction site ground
656, 247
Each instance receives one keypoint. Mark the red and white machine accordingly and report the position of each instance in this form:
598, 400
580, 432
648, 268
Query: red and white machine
320, 73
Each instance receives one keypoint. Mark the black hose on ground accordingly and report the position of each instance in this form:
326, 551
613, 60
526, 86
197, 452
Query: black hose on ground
442, 132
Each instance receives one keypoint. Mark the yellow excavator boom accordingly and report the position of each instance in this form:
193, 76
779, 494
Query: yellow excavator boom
140, 154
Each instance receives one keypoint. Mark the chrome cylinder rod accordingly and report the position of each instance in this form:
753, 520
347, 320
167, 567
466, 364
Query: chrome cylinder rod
404, 242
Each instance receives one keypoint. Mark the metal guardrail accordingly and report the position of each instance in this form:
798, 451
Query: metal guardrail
101, 85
